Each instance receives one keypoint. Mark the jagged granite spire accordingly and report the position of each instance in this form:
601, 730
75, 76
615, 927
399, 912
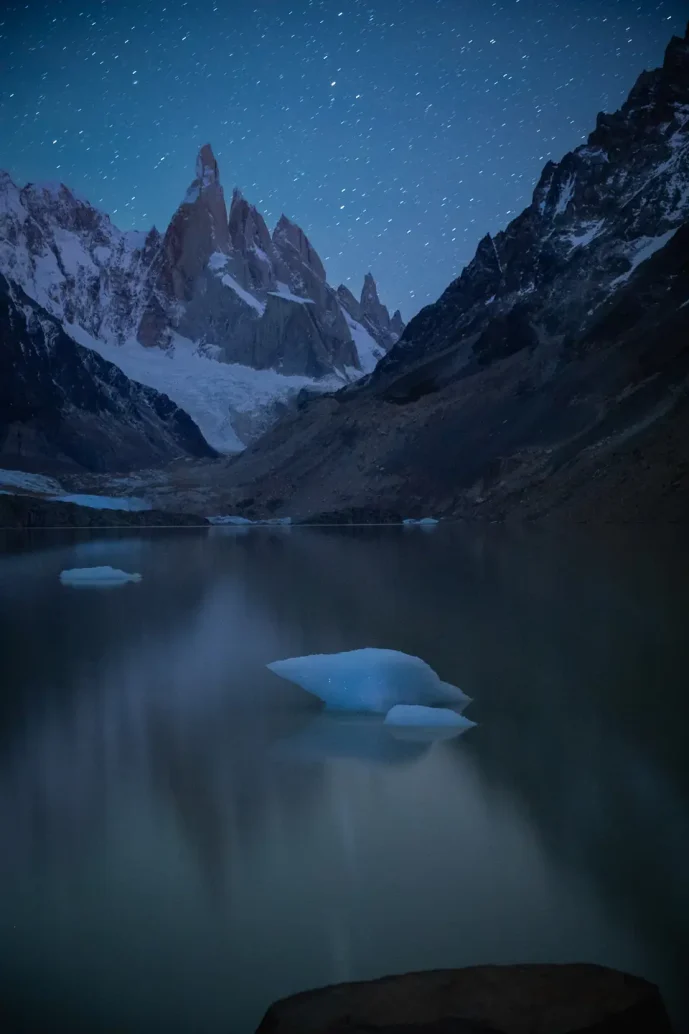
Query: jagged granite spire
349, 302
250, 241
371, 304
397, 323
296, 248
197, 230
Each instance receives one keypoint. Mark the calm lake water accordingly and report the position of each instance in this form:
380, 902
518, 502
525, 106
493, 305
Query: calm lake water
184, 837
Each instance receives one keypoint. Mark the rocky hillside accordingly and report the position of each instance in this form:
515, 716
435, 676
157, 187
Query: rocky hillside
552, 374
61, 402
247, 318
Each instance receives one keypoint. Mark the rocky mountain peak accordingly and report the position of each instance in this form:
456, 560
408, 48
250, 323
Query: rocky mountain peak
371, 304
296, 248
247, 226
198, 230
207, 172
397, 323
349, 302
369, 292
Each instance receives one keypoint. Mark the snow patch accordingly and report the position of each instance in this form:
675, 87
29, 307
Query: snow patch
586, 234
260, 254
283, 291
368, 349
565, 197
217, 261
229, 281
645, 248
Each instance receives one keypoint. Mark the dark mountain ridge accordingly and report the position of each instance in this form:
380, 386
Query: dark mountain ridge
551, 375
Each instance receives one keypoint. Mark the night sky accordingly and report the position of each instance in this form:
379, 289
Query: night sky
396, 132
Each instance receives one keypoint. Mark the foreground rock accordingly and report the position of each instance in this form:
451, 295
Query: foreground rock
22, 511
530, 999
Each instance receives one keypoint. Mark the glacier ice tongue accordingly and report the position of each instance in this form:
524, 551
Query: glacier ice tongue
97, 576
369, 680
104, 502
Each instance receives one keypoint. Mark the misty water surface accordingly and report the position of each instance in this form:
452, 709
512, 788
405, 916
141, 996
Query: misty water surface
186, 838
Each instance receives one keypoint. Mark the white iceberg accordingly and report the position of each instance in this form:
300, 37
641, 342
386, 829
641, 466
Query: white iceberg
369, 680
427, 717
97, 576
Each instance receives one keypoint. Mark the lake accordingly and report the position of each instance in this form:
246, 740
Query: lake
184, 837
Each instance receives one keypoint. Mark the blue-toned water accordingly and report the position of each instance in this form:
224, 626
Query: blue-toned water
185, 838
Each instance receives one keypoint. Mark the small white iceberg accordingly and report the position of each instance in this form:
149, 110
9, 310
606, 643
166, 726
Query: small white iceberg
97, 576
427, 717
369, 681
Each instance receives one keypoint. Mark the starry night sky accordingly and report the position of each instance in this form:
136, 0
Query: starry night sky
396, 132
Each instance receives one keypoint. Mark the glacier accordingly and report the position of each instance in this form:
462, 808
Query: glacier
103, 502
216, 395
369, 680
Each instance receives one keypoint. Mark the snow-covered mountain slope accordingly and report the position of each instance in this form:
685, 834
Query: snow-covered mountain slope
594, 218
62, 402
70, 258
236, 320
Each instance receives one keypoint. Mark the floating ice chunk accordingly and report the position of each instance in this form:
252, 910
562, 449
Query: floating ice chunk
97, 576
369, 680
424, 522
426, 717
